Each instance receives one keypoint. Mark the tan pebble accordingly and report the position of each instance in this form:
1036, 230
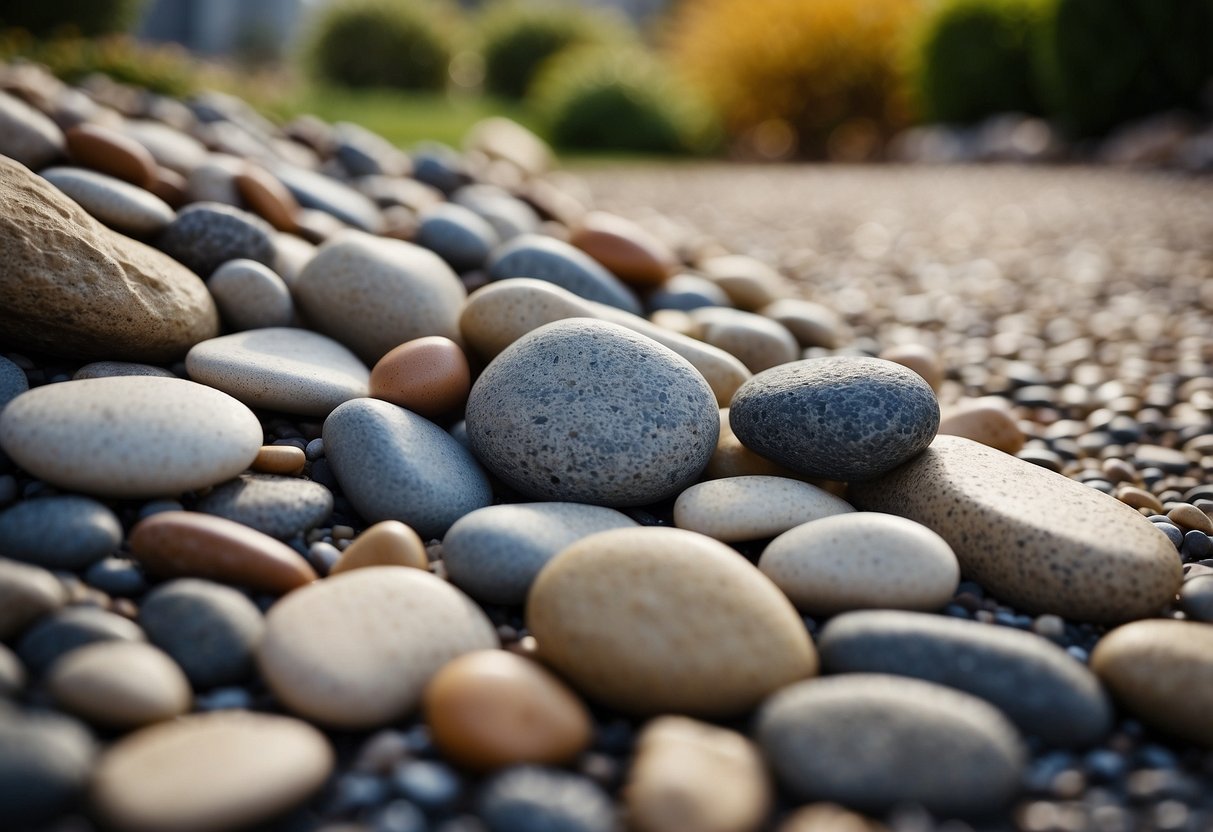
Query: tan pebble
26, 594
750, 283
316, 226
175, 544
812, 324
829, 817
634, 255
427, 375
210, 773
266, 196
1161, 671
1118, 471
119, 684
987, 420
1139, 498
689, 775
387, 543
1188, 517
921, 359
759, 343
108, 151
675, 320
491, 708
751, 508
279, 459
644, 619
732, 459
171, 186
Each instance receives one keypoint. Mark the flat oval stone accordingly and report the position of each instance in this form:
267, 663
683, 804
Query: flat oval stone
752, 508
395, 465
27, 135
1038, 685
323, 193
108, 369
373, 294
119, 684
205, 235
387, 543
494, 553
684, 292
171, 148
55, 636
210, 772
491, 708
457, 235
45, 765
292, 370
1036, 540
279, 459
549, 259
622, 615
812, 324
130, 436
108, 151
837, 418
1162, 673
750, 283
120, 205
987, 420
758, 342
59, 532
862, 560
27, 593
188, 544
392, 628
428, 375
281, 507
267, 197
587, 411
862, 739
250, 295
626, 249
13, 381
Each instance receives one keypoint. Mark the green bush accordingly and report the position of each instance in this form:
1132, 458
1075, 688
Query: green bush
83, 17
405, 44
517, 37
973, 58
1101, 63
165, 69
598, 98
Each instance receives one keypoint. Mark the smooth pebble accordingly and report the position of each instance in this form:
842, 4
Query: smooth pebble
64, 532
250, 295
119, 684
734, 509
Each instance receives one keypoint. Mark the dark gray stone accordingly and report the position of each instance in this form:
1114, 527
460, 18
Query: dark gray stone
206, 235
439, 166
279, 506
45, 762
211, 630
686, 292
1035, 683
66, 532
118, 577
546, 258
583, 410
55, 636
530, 799
1196, 598
12, 381
837, 418
457, 235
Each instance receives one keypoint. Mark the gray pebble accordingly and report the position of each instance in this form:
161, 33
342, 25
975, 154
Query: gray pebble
108, 369
54, 636
685, 292
278, 506
27, 135
433, 786
67, 532
457, 235
117, 577
45, 763
12, 381
206, 235
250, 295
509, 216
546, 258
1196, 598
120, 205
529, 798
323, 193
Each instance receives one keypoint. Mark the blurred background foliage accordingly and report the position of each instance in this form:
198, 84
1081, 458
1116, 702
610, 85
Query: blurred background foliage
768, 79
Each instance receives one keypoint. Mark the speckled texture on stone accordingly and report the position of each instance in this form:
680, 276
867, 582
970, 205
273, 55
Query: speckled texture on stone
837, 418
872, 742
279, 506
1034, 539
73, 287
588, 411
45, 767
1161, 672
549, 259
392, 628
622, 615
120, 205
27, 135
456, 234
494, 553
107, 369
292, 370
1040, 687
12, 381
205, 235
250, 295
751, 508
529, 798
72, 627
130, 436
759, 343
62, 532
395, 465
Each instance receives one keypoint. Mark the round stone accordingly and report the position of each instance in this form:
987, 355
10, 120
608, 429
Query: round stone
549, 259
862, 560
205, 235
987, 420
210, 772
753, 508
1038, 685
457, 235
588, 411
626, 249
120, 205
387, 543
395, 465
529, 798
291, 370
130, 436
119, 684
490, 709
27, 593
55, 636
758, 342
494, 553
13, 381
356, 650
59, 532
623, 615
45, 764
427, 375
108, 151
250, 295
210, 630
281, 507
838, 418
861, 740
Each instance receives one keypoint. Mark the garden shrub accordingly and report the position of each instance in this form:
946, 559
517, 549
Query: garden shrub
90, 18
165, 69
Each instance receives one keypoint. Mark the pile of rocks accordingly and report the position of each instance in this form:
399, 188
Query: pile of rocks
352, 489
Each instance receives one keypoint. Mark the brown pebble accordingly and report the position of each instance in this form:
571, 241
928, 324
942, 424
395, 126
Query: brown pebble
171, 186
921, 359
109, 151
429, 376
266, 196
986, 420
1118, 471
634, 255
1138, 498
188, 544
1189, 517
828, 817
279, 459
493, 708
388, 543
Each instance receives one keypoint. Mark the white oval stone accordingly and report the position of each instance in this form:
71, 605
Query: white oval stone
752, 508
120, 205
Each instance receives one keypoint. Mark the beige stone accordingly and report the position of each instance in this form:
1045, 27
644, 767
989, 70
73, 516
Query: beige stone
752, 508
987, 420
279, 459
387, 543
26, 594
921, 359
750, 283
119, 684
759, 343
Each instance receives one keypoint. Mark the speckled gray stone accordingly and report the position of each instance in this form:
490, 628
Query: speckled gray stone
292, 370
109, 369
46, 760
27, 593
56, 635
12, 381
27, 135
587, 411
206, 235
837, 418
66, 532
457, 235
1038, 685
250, 295
120, 205
279, 506
1034, 539
395, 465
546, 258
494, 553
211, 630
871, 742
